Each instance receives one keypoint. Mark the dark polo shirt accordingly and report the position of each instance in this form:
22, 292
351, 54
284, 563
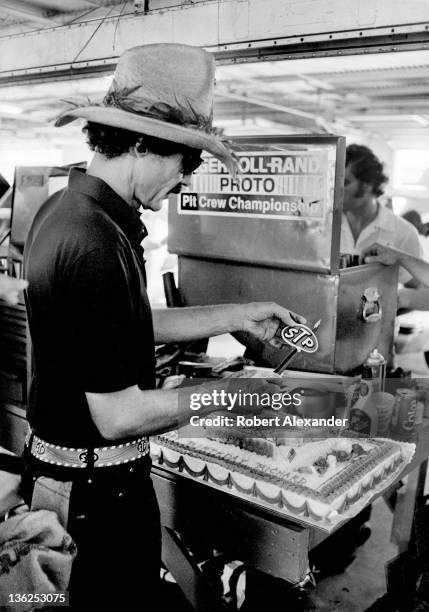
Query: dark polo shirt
89, 315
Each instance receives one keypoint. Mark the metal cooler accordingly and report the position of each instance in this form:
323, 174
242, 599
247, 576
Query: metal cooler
273, 235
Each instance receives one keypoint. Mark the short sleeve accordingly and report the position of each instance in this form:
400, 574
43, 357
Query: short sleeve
102, 289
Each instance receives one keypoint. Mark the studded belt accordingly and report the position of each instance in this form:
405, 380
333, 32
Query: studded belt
104, 456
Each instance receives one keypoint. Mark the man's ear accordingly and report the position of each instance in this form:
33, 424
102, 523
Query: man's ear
369, 190
364, 189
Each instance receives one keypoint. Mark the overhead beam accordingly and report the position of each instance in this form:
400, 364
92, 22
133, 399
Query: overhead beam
403, 90
392, 106
380, 115
352, 75
27, 12
245, 29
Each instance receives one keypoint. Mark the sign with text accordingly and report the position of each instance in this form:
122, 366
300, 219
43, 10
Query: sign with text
271, 185
300, 337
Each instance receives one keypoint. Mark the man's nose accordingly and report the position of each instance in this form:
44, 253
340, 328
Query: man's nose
186, 180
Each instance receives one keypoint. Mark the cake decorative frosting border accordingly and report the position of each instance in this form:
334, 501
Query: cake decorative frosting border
340, 498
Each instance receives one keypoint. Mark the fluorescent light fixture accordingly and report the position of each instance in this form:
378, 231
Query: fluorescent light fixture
10, 109
410, 187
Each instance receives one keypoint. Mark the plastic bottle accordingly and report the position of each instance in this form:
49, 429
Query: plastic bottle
375, 368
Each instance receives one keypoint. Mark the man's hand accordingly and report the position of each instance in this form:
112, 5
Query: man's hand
10, 288
383, 253
262, 320
388, 255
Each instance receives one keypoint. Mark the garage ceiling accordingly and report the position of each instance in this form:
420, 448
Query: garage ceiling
384, 95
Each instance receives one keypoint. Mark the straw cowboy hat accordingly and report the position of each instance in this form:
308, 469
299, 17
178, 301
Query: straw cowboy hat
162, 90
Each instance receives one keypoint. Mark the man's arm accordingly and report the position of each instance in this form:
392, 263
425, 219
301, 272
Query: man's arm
102, 331
388, 255
414, 299
182, 324
132, 412
259, 318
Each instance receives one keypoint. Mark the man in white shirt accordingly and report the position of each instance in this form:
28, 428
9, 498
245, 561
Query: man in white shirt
366, 221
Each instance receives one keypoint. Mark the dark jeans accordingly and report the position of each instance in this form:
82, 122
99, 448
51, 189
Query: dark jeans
114, 520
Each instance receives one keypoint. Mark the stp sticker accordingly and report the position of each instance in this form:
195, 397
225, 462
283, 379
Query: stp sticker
300, 337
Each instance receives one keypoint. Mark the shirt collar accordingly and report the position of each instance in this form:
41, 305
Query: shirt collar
118, 210
385, 222
385, 219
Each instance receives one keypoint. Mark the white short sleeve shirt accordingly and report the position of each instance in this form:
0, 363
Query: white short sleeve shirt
386, 228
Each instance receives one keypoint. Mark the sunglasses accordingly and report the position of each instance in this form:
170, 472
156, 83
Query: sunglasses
191, 161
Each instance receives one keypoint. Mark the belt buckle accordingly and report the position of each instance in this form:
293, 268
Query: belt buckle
88, 457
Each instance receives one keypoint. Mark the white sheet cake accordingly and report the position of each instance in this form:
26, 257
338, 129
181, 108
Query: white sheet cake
320, 482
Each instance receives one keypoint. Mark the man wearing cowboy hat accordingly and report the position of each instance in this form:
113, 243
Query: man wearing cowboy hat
93, 402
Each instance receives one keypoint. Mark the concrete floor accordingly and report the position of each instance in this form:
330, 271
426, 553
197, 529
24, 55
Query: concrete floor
354, 590
363, 581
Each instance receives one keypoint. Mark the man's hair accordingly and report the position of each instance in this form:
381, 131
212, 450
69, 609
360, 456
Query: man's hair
114, 142
366, 167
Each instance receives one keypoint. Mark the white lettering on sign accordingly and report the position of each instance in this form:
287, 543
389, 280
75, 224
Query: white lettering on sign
251, 206
300, 337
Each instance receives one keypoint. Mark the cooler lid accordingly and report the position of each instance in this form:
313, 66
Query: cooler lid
283, 210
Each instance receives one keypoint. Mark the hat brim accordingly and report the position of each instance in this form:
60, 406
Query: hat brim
116, 117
